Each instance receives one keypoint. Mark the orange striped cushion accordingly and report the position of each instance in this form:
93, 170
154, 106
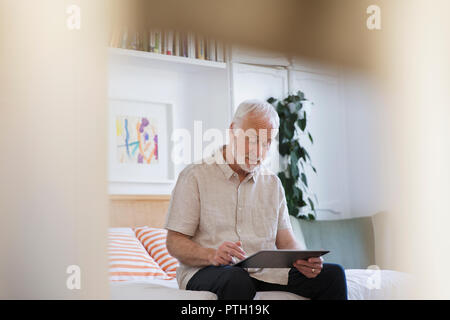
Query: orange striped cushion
154, 241
128, 260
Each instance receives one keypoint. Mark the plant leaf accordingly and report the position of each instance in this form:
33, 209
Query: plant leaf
288, 131
284, 148
302, 123
307, 155
296, 193
301, 95
304, 180
294, 166
282, 177
302, 204
310, 137
311, 203
293, 210
301, 153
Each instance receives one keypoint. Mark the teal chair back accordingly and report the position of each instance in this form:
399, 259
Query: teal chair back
350, 241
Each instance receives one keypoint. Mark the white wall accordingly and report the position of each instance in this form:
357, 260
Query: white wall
327, 123
345, 122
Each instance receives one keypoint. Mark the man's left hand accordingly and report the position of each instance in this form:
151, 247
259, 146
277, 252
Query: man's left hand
310, 268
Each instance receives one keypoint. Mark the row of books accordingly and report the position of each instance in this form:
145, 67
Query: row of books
182, 44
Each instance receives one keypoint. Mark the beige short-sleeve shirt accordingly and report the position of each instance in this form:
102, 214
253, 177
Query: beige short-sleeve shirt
211, 205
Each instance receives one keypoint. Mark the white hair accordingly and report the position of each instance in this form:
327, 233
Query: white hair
259, 108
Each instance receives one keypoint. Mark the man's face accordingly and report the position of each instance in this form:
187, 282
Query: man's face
250, 140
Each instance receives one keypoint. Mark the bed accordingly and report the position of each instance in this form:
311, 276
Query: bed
136, 234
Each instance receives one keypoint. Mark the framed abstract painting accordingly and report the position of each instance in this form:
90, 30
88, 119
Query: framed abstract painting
139, 141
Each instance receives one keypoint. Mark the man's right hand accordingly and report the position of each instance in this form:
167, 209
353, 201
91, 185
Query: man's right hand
225, 253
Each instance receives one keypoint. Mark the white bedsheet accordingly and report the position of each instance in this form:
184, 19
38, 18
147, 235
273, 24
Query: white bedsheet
366, 284
155, 290
361, 284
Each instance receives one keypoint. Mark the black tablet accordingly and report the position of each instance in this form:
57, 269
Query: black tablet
278, 258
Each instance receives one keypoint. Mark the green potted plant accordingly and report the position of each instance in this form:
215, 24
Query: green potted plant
301, 202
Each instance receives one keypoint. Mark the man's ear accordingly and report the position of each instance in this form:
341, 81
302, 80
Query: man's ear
231, 130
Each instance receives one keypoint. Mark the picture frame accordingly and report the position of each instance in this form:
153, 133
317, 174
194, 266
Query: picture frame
139, 142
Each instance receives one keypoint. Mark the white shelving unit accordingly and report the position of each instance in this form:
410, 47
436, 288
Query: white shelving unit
209, 91
197, 89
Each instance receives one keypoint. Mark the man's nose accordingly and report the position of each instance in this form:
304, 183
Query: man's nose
254, 149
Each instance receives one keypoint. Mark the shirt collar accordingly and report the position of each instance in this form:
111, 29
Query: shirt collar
226, 169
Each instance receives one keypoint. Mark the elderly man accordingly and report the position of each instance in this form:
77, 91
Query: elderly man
230, 206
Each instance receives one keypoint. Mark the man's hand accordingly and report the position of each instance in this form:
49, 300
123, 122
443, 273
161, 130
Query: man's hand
225, 253
310, 268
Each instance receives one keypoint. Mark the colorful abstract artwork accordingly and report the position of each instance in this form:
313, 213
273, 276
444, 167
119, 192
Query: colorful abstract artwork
136, 140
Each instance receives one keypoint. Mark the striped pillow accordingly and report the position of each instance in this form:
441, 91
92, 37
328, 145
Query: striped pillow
128, 260
154, 241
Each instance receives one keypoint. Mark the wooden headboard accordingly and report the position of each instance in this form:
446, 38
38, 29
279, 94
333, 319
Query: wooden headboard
138, 210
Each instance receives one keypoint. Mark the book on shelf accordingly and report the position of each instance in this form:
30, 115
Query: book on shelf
135, 40
210, 49
151, 41
177, 44
145, 39
200, 47
155, 36
124, 39
162, 49
184, 44
168, 42
220, 54
191, 45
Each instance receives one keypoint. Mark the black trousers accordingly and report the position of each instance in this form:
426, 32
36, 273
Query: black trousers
234, 283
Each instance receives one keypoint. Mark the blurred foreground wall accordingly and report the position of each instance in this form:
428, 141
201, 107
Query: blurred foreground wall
413, 68
53, 150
